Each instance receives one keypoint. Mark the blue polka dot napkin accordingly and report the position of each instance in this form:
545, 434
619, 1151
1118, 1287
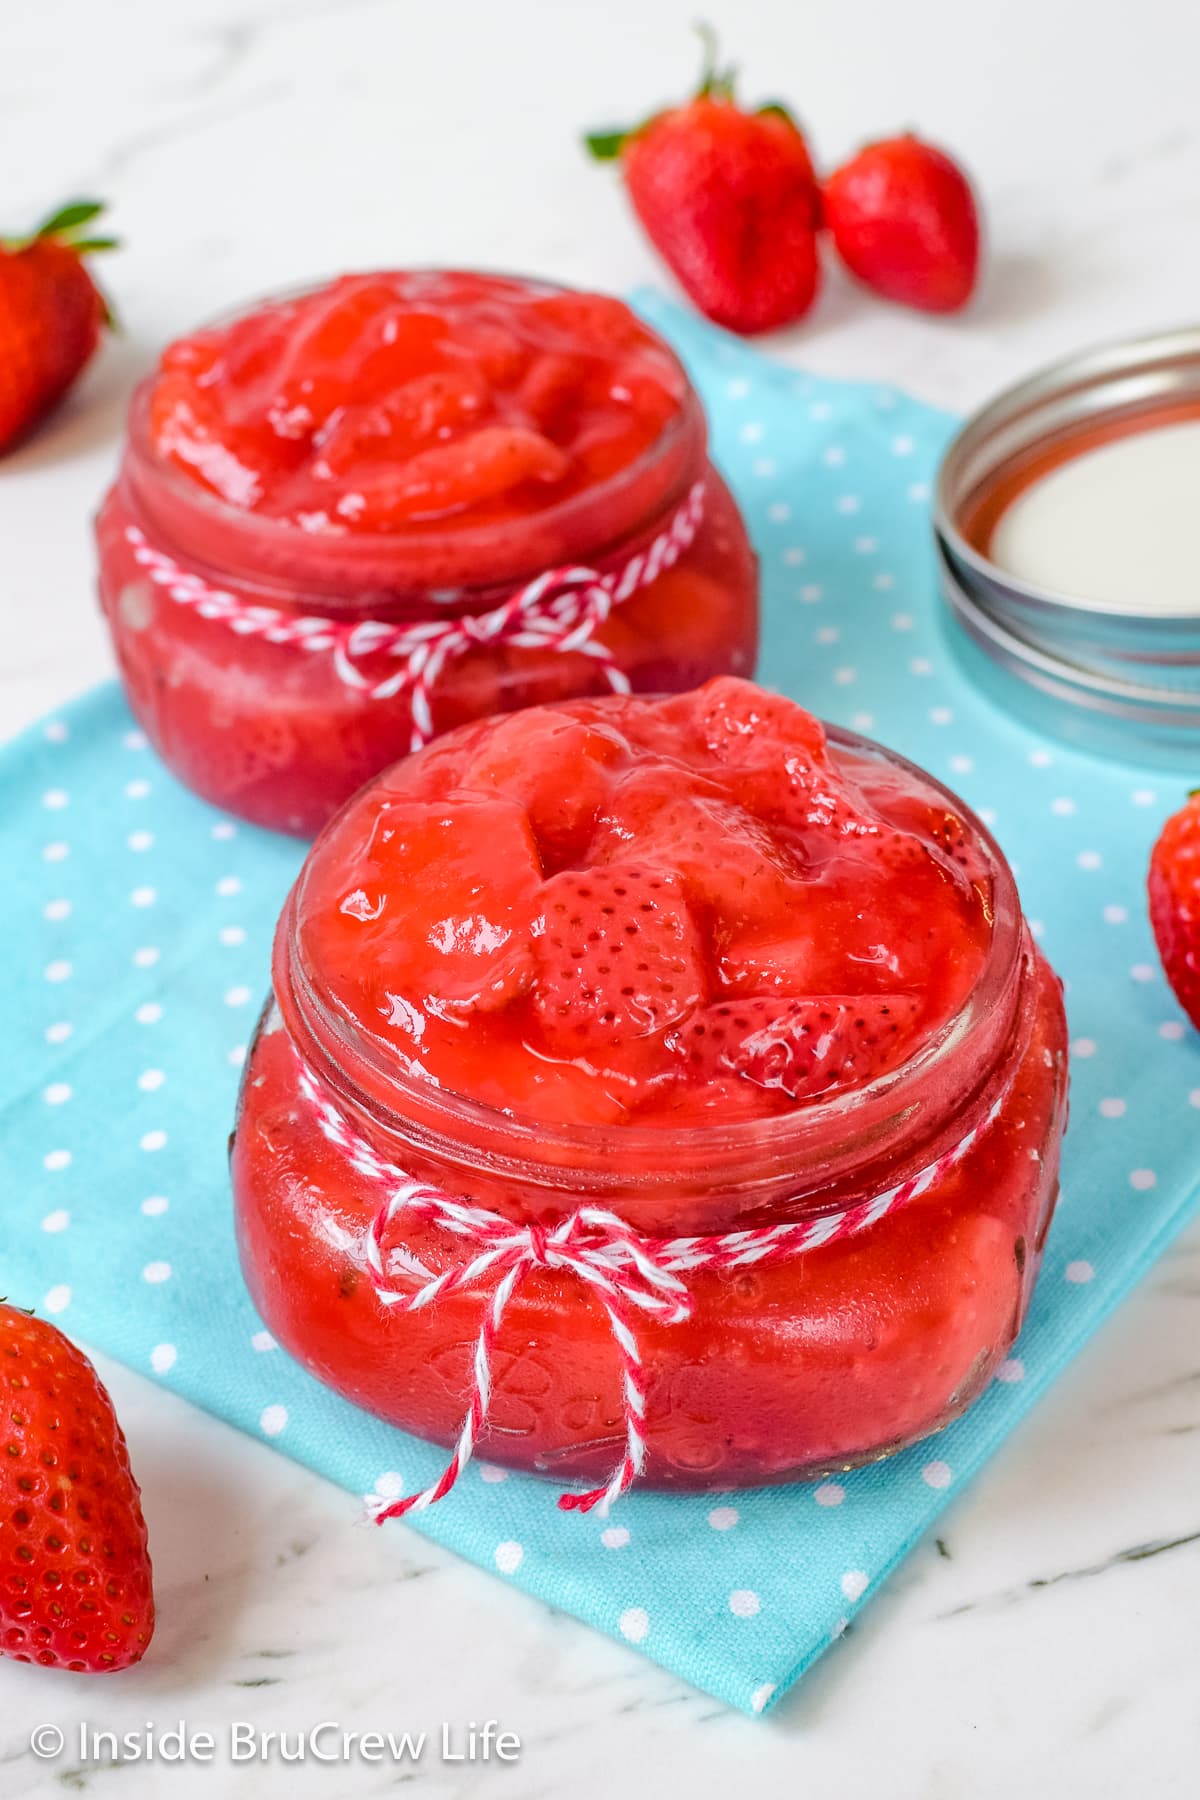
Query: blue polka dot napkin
136, 925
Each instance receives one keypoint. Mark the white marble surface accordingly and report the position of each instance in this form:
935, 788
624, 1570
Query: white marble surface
1050, 1647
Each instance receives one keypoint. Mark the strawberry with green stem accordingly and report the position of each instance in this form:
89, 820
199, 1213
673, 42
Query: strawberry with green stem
52, 314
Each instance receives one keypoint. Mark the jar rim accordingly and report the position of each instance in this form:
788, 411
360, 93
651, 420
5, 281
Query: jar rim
342, 564
957, 1063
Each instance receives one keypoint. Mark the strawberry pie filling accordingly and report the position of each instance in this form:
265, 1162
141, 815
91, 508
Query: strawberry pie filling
695, 962
405, 448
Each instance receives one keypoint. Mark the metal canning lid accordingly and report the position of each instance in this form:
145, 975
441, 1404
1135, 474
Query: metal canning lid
1134, 671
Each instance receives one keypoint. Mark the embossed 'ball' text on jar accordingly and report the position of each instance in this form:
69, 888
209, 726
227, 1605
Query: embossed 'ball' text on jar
809, 1345
349, 520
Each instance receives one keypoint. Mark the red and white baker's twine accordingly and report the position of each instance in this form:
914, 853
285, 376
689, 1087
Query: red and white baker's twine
560, 610
628, 1274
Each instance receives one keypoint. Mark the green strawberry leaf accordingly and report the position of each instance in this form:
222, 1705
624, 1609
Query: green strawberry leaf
775, 109
88, 246
605, 146
69, 217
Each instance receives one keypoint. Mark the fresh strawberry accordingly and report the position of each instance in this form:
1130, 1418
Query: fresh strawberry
51, 315
904, 220
1175, 904
802, 1047
619, 957
730, 201
75, 1579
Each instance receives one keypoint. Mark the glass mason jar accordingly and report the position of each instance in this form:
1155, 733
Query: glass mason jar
267, 662
842, 1354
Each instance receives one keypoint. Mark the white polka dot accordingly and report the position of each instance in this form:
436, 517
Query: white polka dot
936, 1475
779, 512
761, 1695
57, 970
751, 432
155, 1205
1040, 759
1089, 859
866, 546
1142, 1180
57, 1093
237, 996
1011, 1370
883, 581
134, 740
140, 840
228, 886
723, 1518
744, 1603
150, 1080
793, 556
849, 504
231, 935
764, 468
1037, 929
1079, 1272
1143, 971
56, 1221
223, 830
1143, 796
920, 665
509, 1556
57, 909
491, 1474
614, 1537
833, 456
156, 1273
1063, 806
903, 446
136, 790
1112, 1109
56, 1159
59, 1032
262, 1341
941, 715
153, 1140
162, 1358
148, 1013
634, 1624
56, 852
738, 388
1172, 1030
388, 1486
143, 896
902, 621
237, 1055
56, 732
989, 815
830, 1493
845, 677
820, 409
55, 799
273, 1420
828, 634
58, 1299
962, 765
146, 956
863, 721
855, 1583
1194, 1097
1084, 1046
1116, 915
918, 492
811, 593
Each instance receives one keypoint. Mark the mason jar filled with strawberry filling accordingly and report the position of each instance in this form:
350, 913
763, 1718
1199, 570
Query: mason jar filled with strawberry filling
351, 519
653, 1090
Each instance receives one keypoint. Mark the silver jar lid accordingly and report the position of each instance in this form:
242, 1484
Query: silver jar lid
1106, 676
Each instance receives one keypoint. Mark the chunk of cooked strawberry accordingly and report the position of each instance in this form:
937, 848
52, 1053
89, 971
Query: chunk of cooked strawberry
618, 957
802, 1047
557, 766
